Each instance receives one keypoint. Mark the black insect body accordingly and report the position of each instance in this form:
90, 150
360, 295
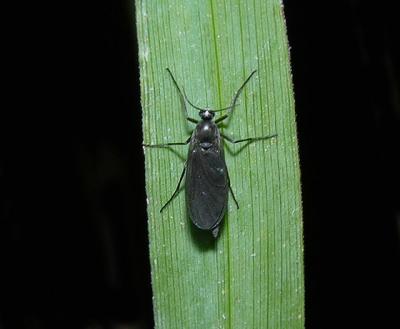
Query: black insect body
207, 181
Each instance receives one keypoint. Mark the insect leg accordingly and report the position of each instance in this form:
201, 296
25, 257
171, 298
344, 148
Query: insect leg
176, 190
182, 98
237, 94
230, 189
168, 144
249, 139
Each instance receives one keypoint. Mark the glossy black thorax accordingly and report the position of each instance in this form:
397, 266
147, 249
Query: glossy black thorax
206, 135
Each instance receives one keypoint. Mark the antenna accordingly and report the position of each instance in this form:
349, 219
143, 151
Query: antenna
205, 108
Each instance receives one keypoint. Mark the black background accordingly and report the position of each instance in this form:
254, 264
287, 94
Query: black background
73, 224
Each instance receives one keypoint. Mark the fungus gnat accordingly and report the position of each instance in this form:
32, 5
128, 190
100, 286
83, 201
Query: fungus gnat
207, 180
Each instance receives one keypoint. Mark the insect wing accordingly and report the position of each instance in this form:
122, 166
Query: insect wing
206, 186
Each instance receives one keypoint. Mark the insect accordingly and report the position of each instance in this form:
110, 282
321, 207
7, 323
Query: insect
207, 182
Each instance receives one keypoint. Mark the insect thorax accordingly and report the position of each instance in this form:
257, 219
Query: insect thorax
206, 134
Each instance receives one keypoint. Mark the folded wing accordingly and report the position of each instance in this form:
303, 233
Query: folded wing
206, 187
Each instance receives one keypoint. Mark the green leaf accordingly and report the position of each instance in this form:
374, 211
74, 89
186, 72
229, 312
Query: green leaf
251, 276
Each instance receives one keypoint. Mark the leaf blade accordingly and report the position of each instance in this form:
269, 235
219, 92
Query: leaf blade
256, 264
